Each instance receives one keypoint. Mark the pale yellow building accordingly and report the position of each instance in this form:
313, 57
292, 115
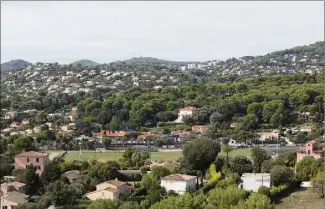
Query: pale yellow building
113, 189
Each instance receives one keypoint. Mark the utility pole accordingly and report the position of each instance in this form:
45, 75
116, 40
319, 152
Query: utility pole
80, 150
277, 146
262, 136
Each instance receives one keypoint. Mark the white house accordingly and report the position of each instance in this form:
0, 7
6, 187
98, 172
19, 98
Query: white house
179, 182
253, 181
190, 111
306, 128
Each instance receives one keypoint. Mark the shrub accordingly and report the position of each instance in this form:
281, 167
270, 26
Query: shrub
206, 188
279, 191
143, 170
212, 175
282, 175
264, 190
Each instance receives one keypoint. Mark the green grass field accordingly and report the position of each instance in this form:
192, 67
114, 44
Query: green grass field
236, 152
246, 151
116, 155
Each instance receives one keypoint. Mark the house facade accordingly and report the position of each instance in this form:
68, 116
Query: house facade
38, 159
189, 111
179, 183
113, 189
306, 129
310, 149
274, 135
200, 129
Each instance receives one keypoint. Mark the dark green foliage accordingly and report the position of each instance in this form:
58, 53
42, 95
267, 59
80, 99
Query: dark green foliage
32, 181
267, 165
308, 167
241, 164
281, 175
199, 154
52, 172
259, 155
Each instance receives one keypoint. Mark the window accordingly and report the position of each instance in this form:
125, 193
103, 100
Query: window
308, 152
37, 160
4, 207
27, 159
27, 166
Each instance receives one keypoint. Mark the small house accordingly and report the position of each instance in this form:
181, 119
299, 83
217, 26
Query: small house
113, 189
179, 183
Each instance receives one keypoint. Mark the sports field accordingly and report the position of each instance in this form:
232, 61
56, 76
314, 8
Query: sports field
116, 155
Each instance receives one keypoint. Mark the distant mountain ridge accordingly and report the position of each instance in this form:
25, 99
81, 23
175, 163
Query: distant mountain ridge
85, 63
15, 64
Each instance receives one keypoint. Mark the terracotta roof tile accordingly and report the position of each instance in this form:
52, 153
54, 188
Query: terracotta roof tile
32, 154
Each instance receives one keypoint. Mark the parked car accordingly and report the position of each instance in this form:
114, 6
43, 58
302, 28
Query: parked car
306, 184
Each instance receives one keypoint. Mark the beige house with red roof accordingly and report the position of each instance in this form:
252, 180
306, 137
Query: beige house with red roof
200, 129
38, 159
113, 189
311, 150
274, 135
189, 111
179, 183
108, 133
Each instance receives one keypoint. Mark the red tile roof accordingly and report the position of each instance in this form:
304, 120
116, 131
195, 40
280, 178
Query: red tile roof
182, 133
114, 182
111, 133
32, 154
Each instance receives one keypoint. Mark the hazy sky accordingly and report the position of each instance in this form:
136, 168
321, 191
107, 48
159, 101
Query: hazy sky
185, 31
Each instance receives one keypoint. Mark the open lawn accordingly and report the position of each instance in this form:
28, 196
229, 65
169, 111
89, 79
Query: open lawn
247, 151
302, 199
116, 155
236, 152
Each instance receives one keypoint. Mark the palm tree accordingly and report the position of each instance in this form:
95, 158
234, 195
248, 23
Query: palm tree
227, 149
